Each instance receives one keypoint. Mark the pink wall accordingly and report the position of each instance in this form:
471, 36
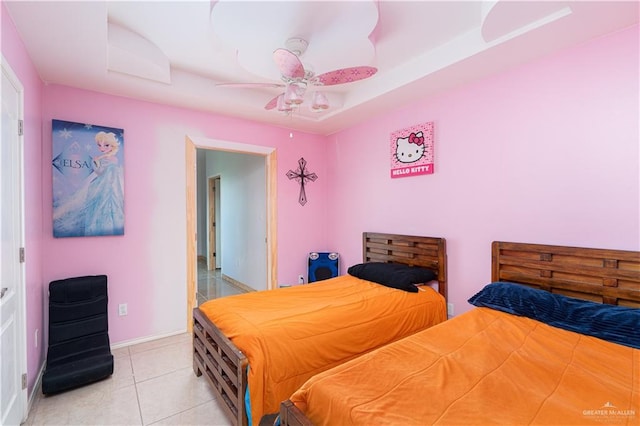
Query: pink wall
147, 266
545, 153
17, 58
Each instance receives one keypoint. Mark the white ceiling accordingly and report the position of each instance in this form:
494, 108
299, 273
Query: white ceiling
176, 52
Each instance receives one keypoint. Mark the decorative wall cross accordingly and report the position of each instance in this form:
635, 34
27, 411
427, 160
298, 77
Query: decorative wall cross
302, 176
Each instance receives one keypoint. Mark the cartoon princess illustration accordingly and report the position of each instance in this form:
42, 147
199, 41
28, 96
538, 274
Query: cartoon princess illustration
97, 207
104, 210
411, 148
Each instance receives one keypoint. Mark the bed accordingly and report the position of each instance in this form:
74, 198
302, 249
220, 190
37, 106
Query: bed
255, 349
553, 339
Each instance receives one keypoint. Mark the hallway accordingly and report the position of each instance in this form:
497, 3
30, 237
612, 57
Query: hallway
212, 285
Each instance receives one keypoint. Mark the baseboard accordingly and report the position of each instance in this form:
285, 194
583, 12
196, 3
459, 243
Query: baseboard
36, 388
238, 284
202, 258
146, 339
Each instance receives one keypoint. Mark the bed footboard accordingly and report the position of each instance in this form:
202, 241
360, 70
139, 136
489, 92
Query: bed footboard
224, 366
290, 415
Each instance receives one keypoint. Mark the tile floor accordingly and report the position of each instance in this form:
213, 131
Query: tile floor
211, 285
153, 384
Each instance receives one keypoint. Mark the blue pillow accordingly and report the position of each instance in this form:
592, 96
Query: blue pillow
617, 324
394, 275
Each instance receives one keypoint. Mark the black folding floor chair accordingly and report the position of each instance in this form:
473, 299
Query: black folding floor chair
79, 352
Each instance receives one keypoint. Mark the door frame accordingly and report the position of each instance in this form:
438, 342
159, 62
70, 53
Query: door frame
21, 305
213, 188
269, 153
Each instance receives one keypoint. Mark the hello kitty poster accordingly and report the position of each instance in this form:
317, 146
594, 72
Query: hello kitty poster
412, 151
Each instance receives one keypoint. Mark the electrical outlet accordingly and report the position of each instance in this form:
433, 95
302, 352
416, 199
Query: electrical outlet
122, 309
36, 336
300, 279
450, 310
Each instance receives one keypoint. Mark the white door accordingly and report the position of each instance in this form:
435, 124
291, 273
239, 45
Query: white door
13, 395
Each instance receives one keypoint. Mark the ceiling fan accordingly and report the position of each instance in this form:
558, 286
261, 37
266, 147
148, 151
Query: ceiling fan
296, 79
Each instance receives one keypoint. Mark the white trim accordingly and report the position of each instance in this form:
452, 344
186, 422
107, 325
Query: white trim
36, 389
217, 144
132, 342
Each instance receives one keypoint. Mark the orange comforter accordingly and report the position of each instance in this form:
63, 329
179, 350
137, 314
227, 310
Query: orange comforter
290, 334
483, 367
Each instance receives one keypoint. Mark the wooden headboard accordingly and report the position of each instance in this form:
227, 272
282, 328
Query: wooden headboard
600, 275
427, 252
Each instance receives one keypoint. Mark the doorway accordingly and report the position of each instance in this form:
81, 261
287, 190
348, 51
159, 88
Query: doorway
269, 154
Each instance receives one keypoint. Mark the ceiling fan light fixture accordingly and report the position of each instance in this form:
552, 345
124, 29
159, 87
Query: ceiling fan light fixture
320, 102
294, 94
282, 106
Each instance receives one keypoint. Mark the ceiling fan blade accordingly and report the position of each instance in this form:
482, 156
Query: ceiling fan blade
272, 103
249, 85
288, 63
346, 75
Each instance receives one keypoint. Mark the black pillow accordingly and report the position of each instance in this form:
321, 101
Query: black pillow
394, 275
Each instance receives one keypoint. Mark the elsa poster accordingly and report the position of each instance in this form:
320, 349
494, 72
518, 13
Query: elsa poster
88, 182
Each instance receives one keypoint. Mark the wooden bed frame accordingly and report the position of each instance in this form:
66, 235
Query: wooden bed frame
599, 275
225, 366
